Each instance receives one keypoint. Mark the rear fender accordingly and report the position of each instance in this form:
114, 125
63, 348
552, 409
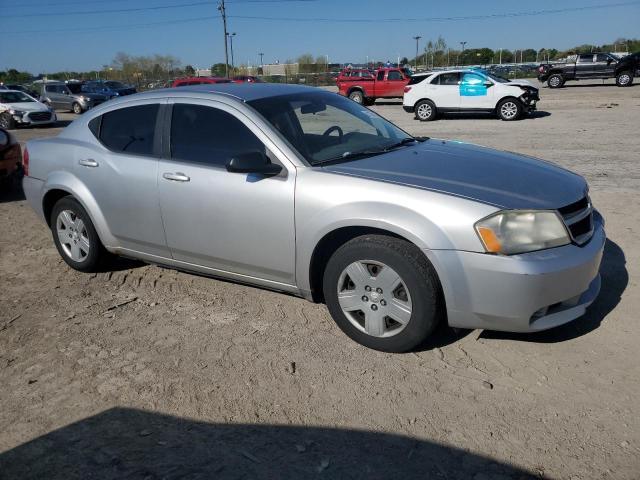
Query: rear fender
66, 181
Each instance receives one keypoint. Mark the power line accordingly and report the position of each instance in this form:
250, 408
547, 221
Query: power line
437, 19
97, 2
116, 10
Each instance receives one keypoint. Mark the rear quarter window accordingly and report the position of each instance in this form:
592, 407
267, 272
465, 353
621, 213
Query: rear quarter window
129, 130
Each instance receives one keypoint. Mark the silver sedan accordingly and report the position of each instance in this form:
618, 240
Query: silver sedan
303, 191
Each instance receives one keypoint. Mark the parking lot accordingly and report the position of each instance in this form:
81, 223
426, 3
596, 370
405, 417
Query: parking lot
144, 372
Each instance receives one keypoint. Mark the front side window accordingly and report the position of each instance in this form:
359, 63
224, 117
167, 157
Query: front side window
394, 75
323, 126
208, 135
381, 75
130, 129
601, 57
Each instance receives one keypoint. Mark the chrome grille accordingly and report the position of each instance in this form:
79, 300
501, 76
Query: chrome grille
578, 217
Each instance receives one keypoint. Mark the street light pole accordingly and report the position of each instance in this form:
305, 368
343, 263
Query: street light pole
223, 12
463, 44
417, 39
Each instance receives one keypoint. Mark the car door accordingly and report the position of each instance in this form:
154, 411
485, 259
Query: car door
585, 66
446, 90
380, 84
604, 65
395, 83
476, 92
121, 174
239, 225
54, 94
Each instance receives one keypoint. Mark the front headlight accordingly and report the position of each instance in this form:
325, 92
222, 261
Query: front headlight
17, 113
519, 231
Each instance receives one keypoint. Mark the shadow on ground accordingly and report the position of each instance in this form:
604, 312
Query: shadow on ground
127, 443
11, 193
614, 282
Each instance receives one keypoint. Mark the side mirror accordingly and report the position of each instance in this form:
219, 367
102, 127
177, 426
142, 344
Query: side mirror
4, 138
253, 162
488, 83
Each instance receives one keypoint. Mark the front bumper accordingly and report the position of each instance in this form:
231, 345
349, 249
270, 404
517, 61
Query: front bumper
36, 118
520, 293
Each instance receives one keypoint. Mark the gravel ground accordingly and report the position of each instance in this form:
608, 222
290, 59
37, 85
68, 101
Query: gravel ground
143, 372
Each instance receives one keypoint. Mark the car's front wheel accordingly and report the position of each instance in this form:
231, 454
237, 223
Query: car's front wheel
624, 79
555, 81
426, 111
77, 108
383, 293
6, 121
75, 236
509, 109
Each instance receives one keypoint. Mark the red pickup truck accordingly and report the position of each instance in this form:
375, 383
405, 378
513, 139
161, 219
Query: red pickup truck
364, 87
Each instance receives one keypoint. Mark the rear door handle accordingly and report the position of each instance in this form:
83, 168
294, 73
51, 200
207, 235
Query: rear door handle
176, 177
89, 162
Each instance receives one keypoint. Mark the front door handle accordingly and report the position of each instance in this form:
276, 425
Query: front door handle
88, 162
176, 177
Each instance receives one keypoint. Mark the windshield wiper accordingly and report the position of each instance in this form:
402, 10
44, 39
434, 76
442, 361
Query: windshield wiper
370, 153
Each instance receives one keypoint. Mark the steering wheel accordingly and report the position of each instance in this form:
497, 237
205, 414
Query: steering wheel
329, 130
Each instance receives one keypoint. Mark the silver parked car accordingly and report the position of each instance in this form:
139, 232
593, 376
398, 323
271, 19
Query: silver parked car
58, 96
304, 191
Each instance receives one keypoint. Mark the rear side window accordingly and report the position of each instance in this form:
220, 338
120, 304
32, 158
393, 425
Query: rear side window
130, 130
395, 75
208, 135
585, 58
417, 79
447, 79
381, 75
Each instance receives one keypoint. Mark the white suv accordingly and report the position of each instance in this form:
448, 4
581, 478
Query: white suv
431, 93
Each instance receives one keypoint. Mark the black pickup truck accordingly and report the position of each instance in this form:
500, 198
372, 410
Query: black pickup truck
591, 66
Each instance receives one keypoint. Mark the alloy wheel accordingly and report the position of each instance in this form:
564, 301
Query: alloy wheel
624, 79
424, 111
73, 235
374, 298
509, 110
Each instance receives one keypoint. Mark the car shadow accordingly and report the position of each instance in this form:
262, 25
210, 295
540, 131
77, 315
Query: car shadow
614, 282
489, 116
11, 193
129, 443
61, 123
585, 85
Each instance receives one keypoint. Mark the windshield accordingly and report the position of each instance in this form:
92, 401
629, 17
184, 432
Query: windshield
115, 84
493, 76
323, 126
74, 87
15, 97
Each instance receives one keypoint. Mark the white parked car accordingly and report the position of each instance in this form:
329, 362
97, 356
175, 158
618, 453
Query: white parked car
429, 94
21, 109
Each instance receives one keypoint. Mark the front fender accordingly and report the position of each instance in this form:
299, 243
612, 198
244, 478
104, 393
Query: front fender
68, 182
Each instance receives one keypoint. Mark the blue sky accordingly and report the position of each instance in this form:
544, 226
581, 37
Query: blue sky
36, 41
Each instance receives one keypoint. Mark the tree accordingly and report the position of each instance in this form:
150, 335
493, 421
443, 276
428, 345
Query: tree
218, 70
189, 71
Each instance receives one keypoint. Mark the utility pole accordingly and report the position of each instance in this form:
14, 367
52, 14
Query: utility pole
261, 63
231, 35
500, 56
417, 39
223, 12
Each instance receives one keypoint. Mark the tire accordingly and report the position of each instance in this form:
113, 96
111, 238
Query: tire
357, 96
413, 301
82, 249
555, 81
426, 111
624, 79
76, 108
509, 109
6, 121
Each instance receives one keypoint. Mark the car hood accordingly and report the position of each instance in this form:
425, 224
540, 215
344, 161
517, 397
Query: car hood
503, 179
25, 106
518, 83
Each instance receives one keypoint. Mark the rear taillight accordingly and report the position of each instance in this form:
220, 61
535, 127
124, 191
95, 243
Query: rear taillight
25, 161
406, 89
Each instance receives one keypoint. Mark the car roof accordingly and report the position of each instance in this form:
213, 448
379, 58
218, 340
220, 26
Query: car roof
245, 92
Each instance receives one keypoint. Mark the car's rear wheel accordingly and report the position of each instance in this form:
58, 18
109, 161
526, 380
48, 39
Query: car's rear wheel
426, 110
77, 108
357, 96
382, 292
509, 109
555, 81
624, 79
75, 236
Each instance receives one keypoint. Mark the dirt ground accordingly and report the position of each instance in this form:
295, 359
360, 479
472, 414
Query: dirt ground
143, 372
